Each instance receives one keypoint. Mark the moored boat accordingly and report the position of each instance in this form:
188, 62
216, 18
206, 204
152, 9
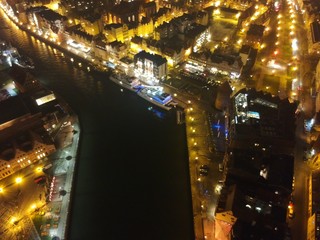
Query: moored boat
157, 96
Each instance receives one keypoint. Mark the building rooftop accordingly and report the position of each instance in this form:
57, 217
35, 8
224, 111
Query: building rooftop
257, 218
315, 32
126, 7
12, 108
255, 29
262, 115
258, 163
52, 15
153, 57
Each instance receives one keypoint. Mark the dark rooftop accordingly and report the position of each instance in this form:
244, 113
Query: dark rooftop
154, 57
256, 29
12, 108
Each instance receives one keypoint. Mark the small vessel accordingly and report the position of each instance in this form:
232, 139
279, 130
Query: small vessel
157, 96
14, 57
130, 83
23, 61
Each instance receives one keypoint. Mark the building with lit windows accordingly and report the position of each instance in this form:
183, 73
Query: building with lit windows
100, 50
213, 62
173, 54
165, 15
137, 44
145, 27
78, 34
23, 138
196, 35
116, 50
92, 24
47, 20
151, 65
118, 32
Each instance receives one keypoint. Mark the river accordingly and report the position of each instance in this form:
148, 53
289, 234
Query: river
132, 177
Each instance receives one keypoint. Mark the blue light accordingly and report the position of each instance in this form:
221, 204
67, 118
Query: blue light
217, 126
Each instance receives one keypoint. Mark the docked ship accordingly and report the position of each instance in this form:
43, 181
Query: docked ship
23, 61
157, 96
130, 83
13, 56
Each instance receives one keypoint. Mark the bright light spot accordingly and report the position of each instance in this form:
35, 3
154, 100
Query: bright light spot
13, 220
18, 180
294, 44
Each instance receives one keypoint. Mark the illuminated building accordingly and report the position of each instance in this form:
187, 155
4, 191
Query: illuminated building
117, 50
137, 44
100, 50
118, 32
174, 55
163, 15
92, 24
47, 20
225, 64
77, 33
126, 12
145, 27
151, 65
23, 139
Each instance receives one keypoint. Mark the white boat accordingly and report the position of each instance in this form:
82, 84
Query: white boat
14, 57
127, 82
23, 61
155, 95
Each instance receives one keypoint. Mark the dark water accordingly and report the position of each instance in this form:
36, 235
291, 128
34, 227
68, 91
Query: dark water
132, 177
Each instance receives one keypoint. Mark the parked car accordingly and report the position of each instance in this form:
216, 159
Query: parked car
291, 212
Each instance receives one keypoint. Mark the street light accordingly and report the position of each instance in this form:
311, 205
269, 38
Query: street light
18, 180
